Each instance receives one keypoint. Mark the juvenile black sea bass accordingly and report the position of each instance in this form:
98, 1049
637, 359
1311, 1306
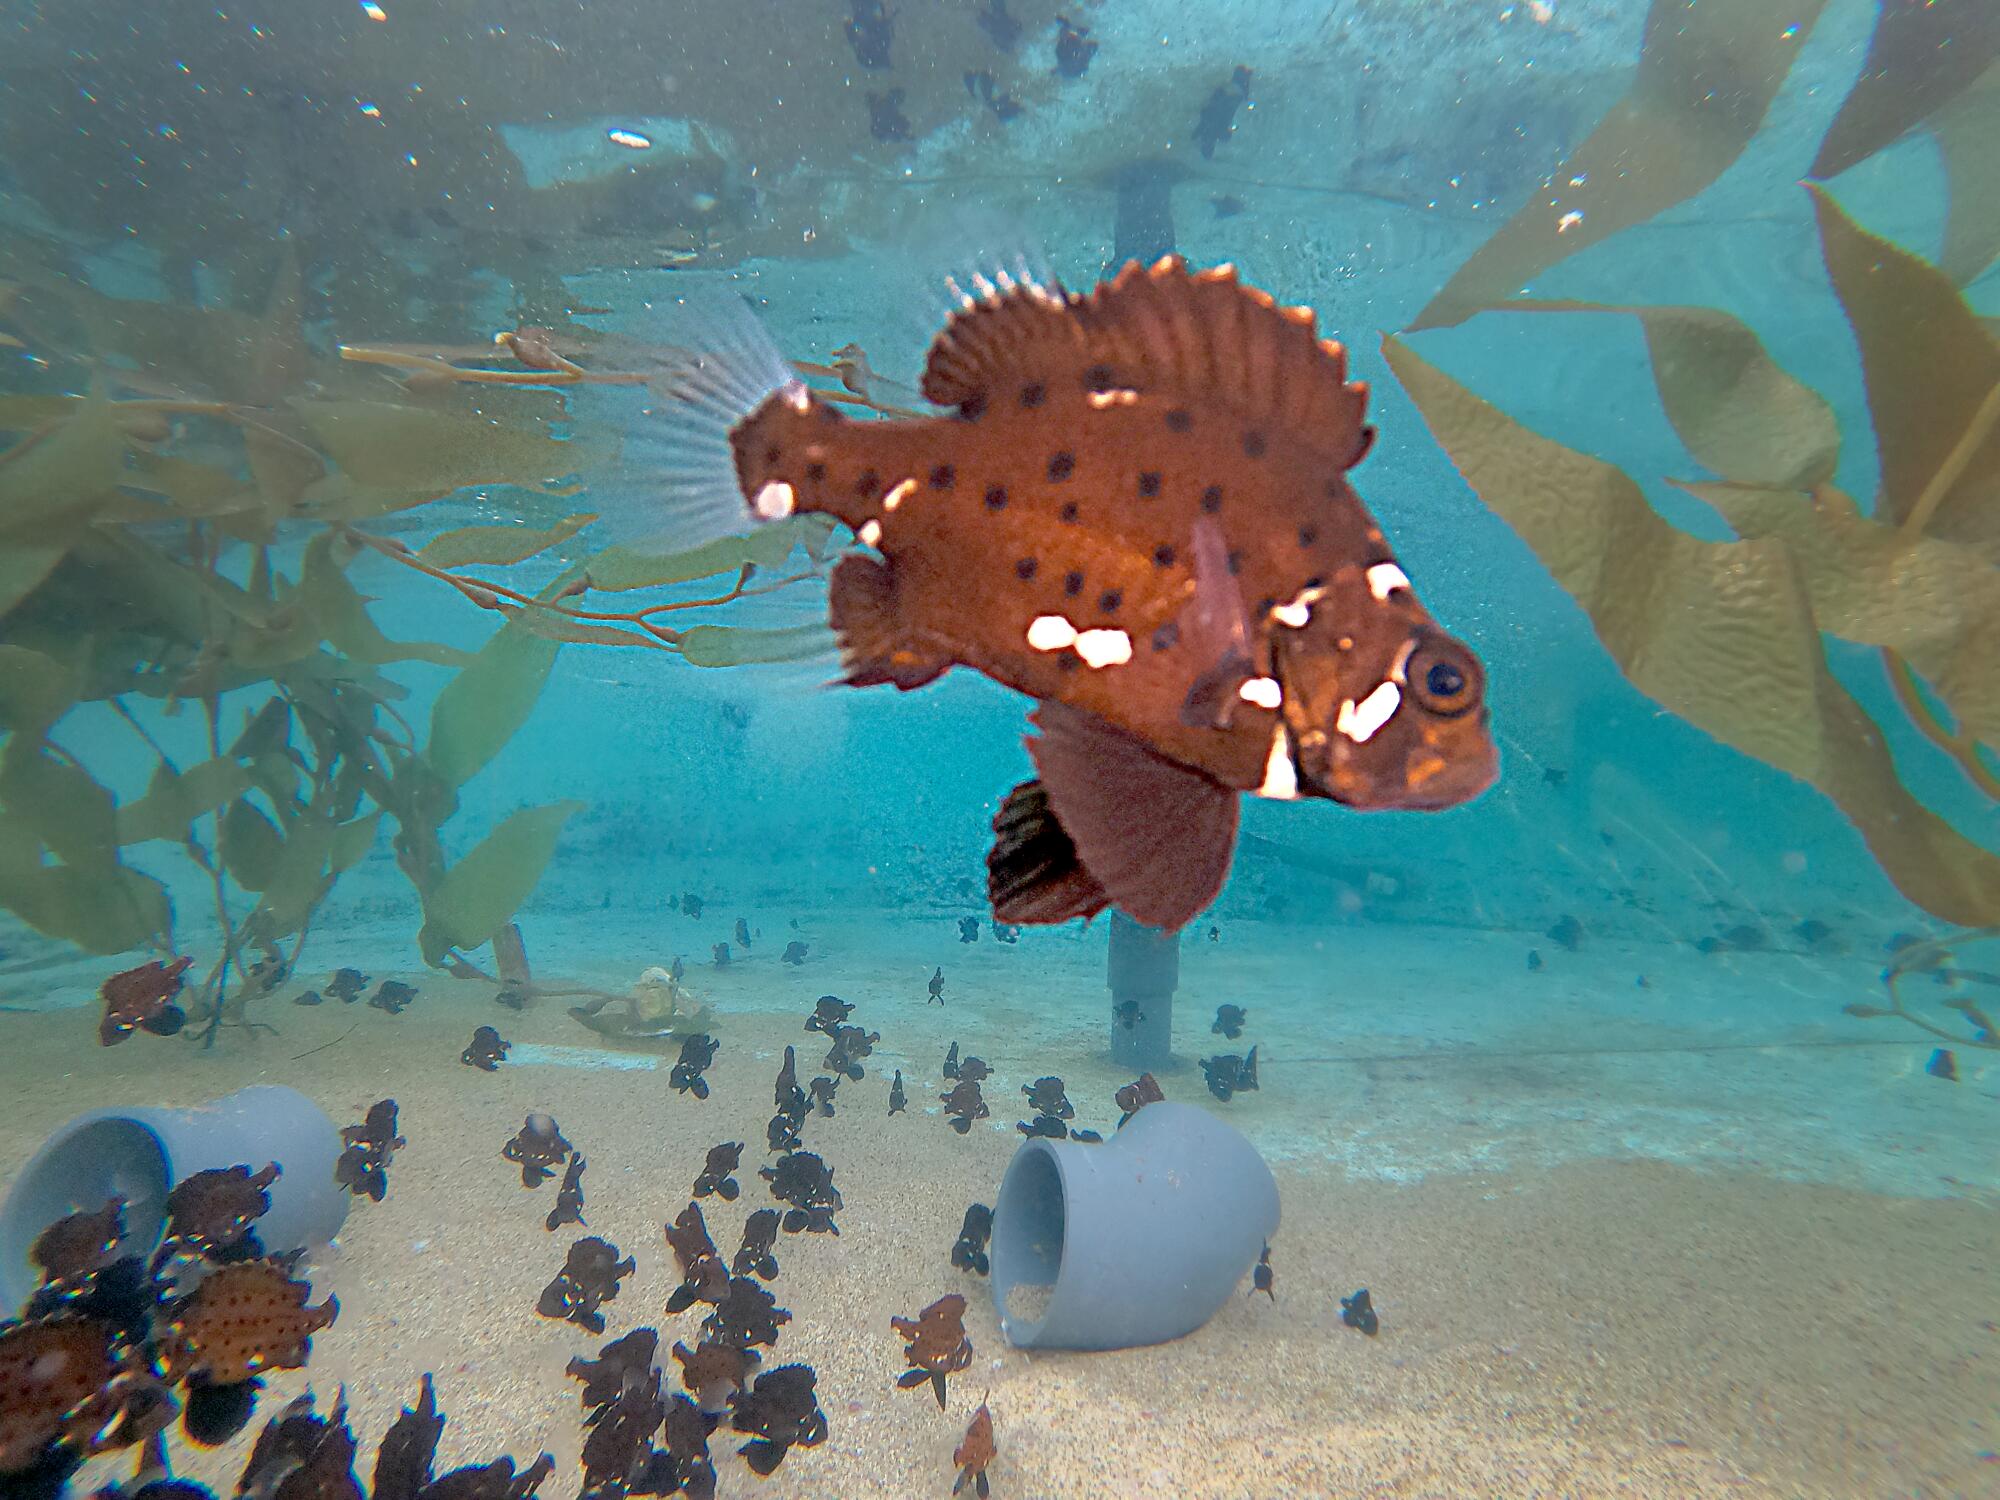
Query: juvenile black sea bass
1136, 511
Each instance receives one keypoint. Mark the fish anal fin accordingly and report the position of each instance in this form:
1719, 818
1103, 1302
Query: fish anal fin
1160, 329
1216, 628
874, 647
1156, 835
1033, 875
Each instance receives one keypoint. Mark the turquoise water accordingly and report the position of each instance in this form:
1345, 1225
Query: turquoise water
1569, 1076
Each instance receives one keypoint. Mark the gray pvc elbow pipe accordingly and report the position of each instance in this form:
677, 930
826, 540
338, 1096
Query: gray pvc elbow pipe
140, 1153
1139, 1240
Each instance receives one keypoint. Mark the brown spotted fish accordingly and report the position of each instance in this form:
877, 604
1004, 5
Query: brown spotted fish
1136, 512
242, 1320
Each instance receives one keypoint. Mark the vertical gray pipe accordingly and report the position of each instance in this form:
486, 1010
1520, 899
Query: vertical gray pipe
1143, 968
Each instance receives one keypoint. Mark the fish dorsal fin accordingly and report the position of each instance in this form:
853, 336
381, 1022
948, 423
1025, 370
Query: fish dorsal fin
1161, 329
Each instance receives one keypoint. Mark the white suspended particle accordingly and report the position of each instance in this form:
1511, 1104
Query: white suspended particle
774, 501
1385, 578
1051, 633
631, 140
1262, 691
1361, 721
1281, 778
1104, 648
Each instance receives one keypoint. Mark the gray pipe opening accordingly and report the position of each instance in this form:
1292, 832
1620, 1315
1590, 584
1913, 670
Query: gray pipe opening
101, 1159
1027, 1250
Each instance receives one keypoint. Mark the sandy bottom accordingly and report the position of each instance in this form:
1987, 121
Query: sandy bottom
1564, 1310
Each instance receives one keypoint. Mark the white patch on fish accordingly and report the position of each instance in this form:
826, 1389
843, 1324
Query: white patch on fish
1298, 613
900, 493
1360, 721
1103, 399
1385, 578
1281, 780
1051, 633
1262, 691
870, 533
1104, 648
774, 501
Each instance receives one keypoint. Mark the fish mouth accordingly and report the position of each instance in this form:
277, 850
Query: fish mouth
1421, 788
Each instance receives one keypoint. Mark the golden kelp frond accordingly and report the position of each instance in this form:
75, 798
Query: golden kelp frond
1721, 634
1966, 129
1706, 76
1932, 373
1919, 58
1734, 406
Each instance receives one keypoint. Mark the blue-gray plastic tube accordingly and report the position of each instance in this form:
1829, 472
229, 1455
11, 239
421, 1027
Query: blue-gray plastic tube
139, 1154
1140, 1239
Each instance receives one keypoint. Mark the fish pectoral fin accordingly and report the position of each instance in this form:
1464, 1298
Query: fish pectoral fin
1033, 874
1156, 835
874, 645
1216, 629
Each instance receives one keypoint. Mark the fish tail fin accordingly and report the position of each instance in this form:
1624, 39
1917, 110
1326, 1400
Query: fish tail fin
874, 646
729, 369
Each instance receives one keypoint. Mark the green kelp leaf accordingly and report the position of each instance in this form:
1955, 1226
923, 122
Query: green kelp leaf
1720, 633
1734, 406
1707, 74
342, 615
617, 569
299, 880
51, 479
23, 566
35, 690
191, 488
268, 729
252, 847
409, 449
560, 627
61, 802
104, 910
1966, 129
352, 841
498, 546
480, 709
738, 645
1934, 602
173, 801
1932, 372
1920, 56
479, 895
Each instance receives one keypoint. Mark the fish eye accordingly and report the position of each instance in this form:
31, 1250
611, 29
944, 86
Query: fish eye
1444, 677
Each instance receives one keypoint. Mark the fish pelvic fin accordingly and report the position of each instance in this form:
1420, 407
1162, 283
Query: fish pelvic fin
874, 645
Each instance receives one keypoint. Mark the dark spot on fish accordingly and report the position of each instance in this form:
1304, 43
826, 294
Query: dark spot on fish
1073, 584
772, 454
1031, 395
1098, 378
996, 497
1308, 535
1165, 636
973, 407
1069, 661
1149, 484
1235, 563
1109, 600
1253, 445
1025, 568
815, 473
943, 477
1211, 499
1069, 512
1180, 420
1163, 556
1266, 604
868, 486
1062, 465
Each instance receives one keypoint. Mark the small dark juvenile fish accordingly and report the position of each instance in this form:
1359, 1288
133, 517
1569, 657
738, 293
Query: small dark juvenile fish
828, 1015
393, 996
1043, 1125
1088, 1137
1047, 1096
936, 987
951, 1061
1136, 1095
307, 997
1001, 29
1555, 776
1534, 960
871, 29
1229, 1075
1138, 513
781, 1411
1215, 934
1226, 205
968, 929
975, 1451
964, 1105
898, 1100
1262, 1277
805, 1181
538, 1148
1127, 1014
720, 954
795, 953
569, 1198
677, 971
1073, 50
346, 985
1567, 933
1218, 115
1006, 932
969, 1253
974, 1069
697, 1052
851, 1044
742, 932
1943, 1064
984, 87
363, 1168
753, 1256
1358, 1312
1228, 1021
589, 1278
886, 120
820, 1092
691, 904
718, 1172
487, 1050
